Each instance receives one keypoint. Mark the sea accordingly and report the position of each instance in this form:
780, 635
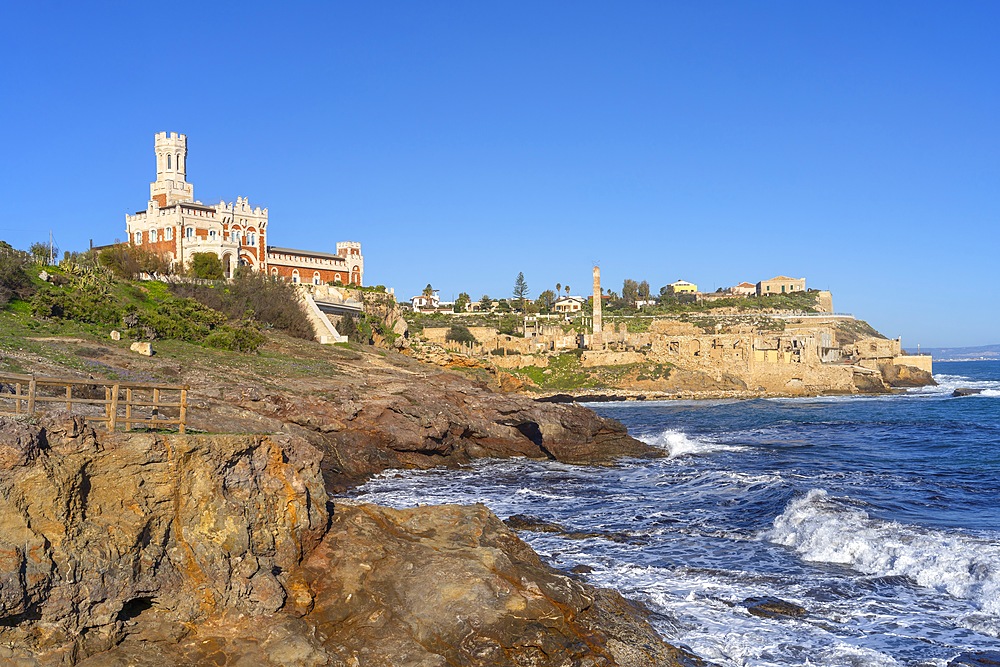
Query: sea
877, 515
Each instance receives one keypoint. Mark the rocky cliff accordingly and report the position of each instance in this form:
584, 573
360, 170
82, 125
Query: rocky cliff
143, 549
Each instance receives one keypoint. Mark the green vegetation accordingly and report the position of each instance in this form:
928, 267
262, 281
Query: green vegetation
565, 373
268, 300
207, 266
15, 283
459, 333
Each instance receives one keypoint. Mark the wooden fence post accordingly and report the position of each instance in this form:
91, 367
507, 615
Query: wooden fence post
183, 411
113, 417
69, 398
156, 408
31, 396
128, 408
17, 398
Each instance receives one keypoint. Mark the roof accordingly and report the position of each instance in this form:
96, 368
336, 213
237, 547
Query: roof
304, 253
782, 278
570, 298
681, 282
745, 284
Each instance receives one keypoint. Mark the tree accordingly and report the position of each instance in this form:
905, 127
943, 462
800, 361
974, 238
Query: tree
546, 299
428, 291
520, 289
486, 303
42, 252
567, 290
630, 292
644, 290
206, 265
459, 333
462, 302
558, 288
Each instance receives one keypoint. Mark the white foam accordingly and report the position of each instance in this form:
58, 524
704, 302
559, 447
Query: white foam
821, 528
679, 443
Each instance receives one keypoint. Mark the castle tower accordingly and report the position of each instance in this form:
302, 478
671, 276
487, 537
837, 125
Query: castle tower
171, 186
597, 299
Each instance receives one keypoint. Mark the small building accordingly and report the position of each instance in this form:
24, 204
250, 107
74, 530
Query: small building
682, 287
569, 304
780, 285
743, 289
425, 303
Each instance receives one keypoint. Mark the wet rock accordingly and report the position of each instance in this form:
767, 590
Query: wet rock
977, 659
772, 607
454, 585
966, 391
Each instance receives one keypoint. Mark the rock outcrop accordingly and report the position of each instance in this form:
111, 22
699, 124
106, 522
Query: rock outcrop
96, 533
145, 549
442, 420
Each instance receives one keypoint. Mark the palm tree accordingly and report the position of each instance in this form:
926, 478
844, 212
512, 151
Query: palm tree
558, 289
567, 290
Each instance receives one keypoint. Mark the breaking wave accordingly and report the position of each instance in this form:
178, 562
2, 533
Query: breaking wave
679, 443
825, 529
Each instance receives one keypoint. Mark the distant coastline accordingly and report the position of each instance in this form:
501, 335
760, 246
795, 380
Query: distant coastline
977, 353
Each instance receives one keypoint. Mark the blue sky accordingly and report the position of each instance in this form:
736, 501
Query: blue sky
853, 143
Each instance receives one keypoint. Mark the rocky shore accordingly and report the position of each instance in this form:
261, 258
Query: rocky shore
232, 547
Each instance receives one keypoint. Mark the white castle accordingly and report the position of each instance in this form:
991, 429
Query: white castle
178, 226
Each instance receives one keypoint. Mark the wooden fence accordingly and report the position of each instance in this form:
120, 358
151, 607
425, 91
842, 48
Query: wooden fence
130, 404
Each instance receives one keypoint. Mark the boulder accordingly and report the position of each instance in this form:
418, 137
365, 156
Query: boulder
966, 391
145, 348
772, 607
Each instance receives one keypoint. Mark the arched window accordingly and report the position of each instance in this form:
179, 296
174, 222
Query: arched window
211, 234
274, 272
315, 277
189, 232
338, 279
251, 239
168, 234
295, 276
138, 238
168, 162
152, 236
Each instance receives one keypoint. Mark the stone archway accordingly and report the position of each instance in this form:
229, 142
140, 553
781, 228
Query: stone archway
227, 265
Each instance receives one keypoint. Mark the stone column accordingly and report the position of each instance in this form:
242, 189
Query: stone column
597, 300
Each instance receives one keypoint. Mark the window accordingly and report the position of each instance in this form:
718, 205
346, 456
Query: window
189, 232
274, 272
168, 234
315, 277
152, 236
295, 276
138, 238
168, 162
251, 239
338, 279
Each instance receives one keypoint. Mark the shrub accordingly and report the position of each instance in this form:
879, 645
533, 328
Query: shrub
207, 266
460, 333
270, 301
126, 261
14, 280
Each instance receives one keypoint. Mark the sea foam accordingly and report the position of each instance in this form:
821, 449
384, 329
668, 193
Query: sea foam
679, 443
824, 529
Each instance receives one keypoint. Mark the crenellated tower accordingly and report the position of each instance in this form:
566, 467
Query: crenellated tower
171, 186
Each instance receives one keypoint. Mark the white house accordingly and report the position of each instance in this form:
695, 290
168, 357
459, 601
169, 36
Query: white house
569, 304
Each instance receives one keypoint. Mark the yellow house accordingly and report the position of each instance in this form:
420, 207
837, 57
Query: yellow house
682, 287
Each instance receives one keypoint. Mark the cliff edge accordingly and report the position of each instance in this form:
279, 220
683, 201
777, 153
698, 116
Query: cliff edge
151, 549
